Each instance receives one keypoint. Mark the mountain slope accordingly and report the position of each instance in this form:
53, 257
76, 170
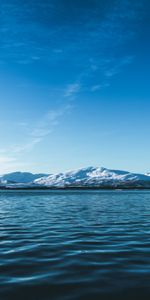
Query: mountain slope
20, 177
93, 177
90, 177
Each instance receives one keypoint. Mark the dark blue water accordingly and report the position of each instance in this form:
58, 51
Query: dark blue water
74, 245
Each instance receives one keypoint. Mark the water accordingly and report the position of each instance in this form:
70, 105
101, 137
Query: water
74, 245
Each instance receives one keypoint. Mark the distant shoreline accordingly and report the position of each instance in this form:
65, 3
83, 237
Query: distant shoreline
72, 188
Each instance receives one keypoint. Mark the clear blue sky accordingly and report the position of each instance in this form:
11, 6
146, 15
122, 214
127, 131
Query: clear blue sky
74, 85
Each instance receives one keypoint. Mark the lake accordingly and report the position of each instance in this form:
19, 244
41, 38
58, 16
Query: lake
75, 245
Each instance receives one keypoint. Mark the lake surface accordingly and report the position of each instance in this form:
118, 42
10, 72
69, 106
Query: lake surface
71, 245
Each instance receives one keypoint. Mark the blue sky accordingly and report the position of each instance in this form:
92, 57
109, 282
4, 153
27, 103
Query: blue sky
74, 85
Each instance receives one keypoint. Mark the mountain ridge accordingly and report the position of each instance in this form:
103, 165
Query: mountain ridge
20, 177
92, 176
89, 177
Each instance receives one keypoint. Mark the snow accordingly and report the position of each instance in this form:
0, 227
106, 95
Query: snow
84, 177
91, 176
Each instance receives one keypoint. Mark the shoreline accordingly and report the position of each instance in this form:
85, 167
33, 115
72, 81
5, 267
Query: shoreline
73, 188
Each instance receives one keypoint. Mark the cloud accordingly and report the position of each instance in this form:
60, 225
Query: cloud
72, 89
33, 136
26, 147
117, 66
10, 164
50, 120
97, 87
43, 128
6, 159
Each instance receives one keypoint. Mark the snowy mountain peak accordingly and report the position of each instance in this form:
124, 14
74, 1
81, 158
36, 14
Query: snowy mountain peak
90, 177
84, 177
147, 174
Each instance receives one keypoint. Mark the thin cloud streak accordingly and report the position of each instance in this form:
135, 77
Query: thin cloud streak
72, 89
42, 129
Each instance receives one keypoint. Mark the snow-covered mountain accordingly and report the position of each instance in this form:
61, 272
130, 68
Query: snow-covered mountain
93, 177
20, 177
86, 177
147, 174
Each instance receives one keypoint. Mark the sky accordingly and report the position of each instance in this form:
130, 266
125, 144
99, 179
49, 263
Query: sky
74, 85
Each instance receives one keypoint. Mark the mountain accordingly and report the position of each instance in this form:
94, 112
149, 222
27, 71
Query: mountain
91, 177
94, 177
20, 177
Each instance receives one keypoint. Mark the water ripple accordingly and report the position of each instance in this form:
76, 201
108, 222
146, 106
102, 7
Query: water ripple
74, 245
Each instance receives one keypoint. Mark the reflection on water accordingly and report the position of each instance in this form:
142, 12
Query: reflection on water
74, 245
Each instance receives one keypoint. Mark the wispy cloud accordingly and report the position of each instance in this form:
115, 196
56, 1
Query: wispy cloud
43, 128
117, 66
26, 147
48, 122
6, 159
98, 87
72, 89
10, 164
